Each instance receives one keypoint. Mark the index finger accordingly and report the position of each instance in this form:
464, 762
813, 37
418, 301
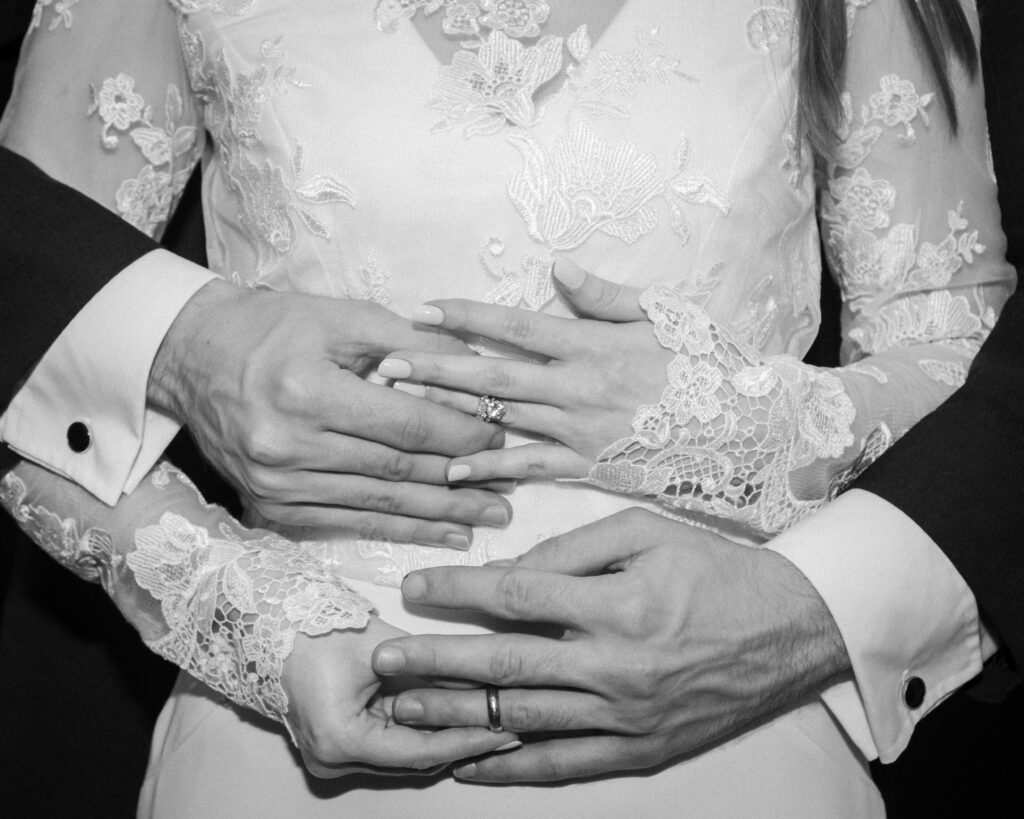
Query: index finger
507, 593
551, 336
387, 416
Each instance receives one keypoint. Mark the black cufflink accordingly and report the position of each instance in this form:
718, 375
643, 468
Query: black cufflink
79, 437
913, 692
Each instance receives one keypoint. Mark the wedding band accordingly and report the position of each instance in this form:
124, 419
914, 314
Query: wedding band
493, 709
489, 409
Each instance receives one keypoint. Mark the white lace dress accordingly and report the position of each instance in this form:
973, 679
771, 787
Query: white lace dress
404, 150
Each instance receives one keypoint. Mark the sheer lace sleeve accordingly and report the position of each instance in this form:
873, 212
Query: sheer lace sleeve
102, 103
911, 227
222, 602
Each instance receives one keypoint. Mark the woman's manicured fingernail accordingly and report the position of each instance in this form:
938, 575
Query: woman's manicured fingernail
458, 472
413, 587
457, 540
496, 516
394, 368
569, 275
428, 314
465, 771
510, 746
389, 660
408, 709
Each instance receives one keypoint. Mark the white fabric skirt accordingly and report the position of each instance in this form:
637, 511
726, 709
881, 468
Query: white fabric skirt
211, 760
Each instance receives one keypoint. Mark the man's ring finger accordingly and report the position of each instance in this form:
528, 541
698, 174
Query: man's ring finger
493, 709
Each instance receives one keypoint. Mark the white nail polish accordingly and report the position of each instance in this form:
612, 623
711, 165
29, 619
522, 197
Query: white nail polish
570, 276
394, 368
509, 746
428, 314
458, 472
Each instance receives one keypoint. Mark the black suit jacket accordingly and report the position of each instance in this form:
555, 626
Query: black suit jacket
959, 473
78, 691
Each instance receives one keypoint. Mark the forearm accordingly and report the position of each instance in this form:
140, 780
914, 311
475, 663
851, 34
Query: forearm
222, 602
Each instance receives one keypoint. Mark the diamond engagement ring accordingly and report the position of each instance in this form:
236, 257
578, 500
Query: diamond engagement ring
489, 409
493, 709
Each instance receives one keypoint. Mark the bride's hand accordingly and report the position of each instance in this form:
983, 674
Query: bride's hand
341, 719
584, 396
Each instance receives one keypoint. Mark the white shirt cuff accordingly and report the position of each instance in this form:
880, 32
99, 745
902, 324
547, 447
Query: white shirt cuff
909, 621
82, 411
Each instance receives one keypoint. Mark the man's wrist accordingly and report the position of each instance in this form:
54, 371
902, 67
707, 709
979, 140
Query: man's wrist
809, 638
168, 388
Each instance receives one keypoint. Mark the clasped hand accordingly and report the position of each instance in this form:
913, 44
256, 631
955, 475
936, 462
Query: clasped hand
271, 386
583, 396
672, 638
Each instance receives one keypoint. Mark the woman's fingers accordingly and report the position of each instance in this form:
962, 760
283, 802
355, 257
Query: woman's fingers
538, 419
524, 329
522, 710
480, 375
595, 297
527, 461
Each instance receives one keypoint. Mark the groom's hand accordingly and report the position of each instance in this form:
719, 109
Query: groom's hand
271, 387
673, 638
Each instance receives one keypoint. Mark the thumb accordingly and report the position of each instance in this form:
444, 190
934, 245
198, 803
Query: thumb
595, 297
589, 550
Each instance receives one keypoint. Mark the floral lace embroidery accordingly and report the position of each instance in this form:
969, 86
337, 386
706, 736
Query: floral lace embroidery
586, 184
769, 26
606, 84
230, 606
898, 103
527, 286
171, 151
729, 428
951, 373
232, 7
270, 199
60, 11
491, 87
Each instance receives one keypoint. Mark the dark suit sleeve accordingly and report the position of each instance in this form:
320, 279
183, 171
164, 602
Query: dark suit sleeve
960, 472
57, 249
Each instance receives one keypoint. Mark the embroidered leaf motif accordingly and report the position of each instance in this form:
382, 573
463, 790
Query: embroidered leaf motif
579, 43
323, 188
313, 224
173, 106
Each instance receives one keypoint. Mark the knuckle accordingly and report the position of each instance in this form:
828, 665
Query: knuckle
378, 501
607, 294
499, 381
263, 445
294, 391
396, 466
505, 666
414, 432
513, 592
517, 327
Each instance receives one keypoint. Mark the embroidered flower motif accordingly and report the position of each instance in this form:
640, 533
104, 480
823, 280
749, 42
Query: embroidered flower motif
461, 20
517, 18
61, 13
494, 86
145, 202
769, 26
862, 199
118, 104
899, 104
584, 185
617, 74
826, 416
679, 325
691, 390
